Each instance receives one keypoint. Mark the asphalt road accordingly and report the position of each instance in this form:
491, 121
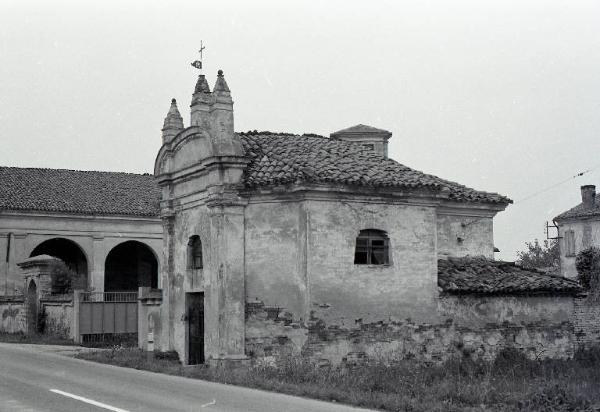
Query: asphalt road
34, 380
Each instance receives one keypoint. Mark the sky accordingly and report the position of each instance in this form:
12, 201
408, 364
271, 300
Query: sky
502, 96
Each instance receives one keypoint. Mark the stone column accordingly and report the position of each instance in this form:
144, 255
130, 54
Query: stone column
96, 280
225, 283
167, 311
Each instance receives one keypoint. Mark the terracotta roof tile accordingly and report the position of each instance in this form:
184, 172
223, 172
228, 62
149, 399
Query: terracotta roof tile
81, 192
479, 275
284, 158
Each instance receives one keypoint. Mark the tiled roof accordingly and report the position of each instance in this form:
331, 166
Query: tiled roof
274, 159
284, 158
81, 192
581, 211
479, 275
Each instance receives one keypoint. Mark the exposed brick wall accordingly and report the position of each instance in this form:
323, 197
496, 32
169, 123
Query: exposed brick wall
272, 332
586, 319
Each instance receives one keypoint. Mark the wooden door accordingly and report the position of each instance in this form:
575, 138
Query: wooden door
195, 318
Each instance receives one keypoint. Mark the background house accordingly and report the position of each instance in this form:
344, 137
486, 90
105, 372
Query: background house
578, 229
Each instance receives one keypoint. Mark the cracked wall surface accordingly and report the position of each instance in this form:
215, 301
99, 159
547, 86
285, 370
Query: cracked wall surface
13, 316
540, 327
459, 236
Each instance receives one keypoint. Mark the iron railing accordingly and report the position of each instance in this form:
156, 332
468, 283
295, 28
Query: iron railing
121, 297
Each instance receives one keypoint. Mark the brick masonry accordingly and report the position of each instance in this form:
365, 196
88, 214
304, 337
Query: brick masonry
586, 316
479, 327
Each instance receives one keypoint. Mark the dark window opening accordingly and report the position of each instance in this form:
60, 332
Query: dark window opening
369, 146
372, 248
195, 253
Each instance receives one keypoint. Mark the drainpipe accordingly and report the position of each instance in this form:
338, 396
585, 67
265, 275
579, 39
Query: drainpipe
8, 240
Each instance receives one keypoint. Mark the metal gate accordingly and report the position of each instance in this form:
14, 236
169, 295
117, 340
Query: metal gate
107, 316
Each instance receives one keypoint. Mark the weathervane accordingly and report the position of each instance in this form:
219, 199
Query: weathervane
198, 63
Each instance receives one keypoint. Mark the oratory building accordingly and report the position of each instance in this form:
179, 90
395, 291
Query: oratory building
272, 241
265, 245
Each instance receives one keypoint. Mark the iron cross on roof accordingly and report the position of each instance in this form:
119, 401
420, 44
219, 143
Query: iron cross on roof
198, 63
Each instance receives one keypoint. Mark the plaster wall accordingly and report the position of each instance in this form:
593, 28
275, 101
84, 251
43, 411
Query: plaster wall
306, 296
475, 311
586, 234
343, 293
181, 280
59, 316
13, 316
459, 236
276, 256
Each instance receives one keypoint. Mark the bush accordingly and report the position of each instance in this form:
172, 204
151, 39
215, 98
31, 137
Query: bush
587, 264
545, 256
64, 279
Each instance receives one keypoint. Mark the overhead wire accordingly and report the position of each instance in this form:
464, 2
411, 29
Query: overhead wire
556, 184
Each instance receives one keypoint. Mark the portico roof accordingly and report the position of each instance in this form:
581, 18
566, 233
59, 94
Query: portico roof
78, 192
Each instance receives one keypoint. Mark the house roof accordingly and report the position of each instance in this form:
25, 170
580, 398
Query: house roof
479, 275
581, 211
285, 158
81, 192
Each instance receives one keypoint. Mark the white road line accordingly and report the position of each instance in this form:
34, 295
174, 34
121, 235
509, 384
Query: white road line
90, 401
214, 401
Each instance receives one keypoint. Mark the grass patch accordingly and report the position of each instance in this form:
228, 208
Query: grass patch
39, 339
511, 383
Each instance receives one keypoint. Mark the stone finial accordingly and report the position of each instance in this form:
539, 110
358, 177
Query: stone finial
173, 122
201, 85
221, 84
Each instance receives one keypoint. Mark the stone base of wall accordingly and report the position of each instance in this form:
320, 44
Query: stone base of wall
271, 333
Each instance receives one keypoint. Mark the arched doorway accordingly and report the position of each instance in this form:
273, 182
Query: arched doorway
32, 308
128, 266
67, 251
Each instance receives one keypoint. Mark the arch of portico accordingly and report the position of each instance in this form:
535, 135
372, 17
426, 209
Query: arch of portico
16, 246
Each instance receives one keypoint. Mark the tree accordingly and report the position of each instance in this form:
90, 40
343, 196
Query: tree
64, 279
544, 256
587, 264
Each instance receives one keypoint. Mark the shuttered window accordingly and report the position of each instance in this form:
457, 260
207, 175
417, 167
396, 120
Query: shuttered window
569, 243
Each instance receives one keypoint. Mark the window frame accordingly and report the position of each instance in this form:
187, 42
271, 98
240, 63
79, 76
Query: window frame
374, 244
195, 253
